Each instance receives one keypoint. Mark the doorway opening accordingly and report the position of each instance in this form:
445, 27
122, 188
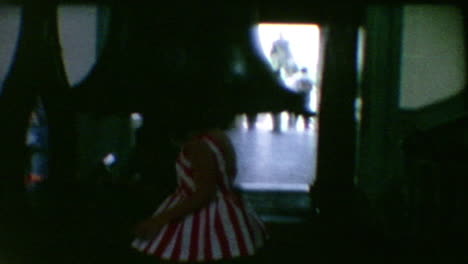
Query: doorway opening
277, 153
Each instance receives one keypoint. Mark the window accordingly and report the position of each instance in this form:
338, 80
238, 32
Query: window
78, 38
10, 23
283, 160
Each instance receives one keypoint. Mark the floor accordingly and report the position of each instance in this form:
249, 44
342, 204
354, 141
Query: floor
275, 161
276, 168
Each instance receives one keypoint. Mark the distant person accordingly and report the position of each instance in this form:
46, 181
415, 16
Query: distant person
205, 219
282, 61
303, 86
281, 57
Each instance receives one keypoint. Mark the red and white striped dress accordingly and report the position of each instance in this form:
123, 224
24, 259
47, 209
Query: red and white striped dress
226, 228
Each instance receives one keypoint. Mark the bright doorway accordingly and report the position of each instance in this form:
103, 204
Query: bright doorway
282, 161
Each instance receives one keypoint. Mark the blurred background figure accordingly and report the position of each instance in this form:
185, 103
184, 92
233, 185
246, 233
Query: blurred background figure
281, 57
37, 143
303, 86
282, 62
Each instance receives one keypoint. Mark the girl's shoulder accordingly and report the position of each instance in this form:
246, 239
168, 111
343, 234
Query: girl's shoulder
197, 142
216, 135
196, 145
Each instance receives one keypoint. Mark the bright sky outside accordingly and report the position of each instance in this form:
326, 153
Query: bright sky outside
303, 42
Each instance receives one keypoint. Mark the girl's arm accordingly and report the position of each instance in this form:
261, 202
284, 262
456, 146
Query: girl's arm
205, 175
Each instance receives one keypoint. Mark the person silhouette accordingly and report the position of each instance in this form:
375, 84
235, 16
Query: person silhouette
281, 57
37, 142
282, 61
303, 86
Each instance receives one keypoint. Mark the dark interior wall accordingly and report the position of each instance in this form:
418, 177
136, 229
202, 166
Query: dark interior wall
334, 186
435, 151
378, 146
408, 182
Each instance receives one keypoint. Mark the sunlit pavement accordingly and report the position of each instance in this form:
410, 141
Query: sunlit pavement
275, 161
275, 168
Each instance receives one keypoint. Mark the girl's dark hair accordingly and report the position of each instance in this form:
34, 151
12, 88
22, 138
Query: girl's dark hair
201, 94
201, 109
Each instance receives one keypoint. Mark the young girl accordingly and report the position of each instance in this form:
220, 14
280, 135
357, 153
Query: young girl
205, 219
